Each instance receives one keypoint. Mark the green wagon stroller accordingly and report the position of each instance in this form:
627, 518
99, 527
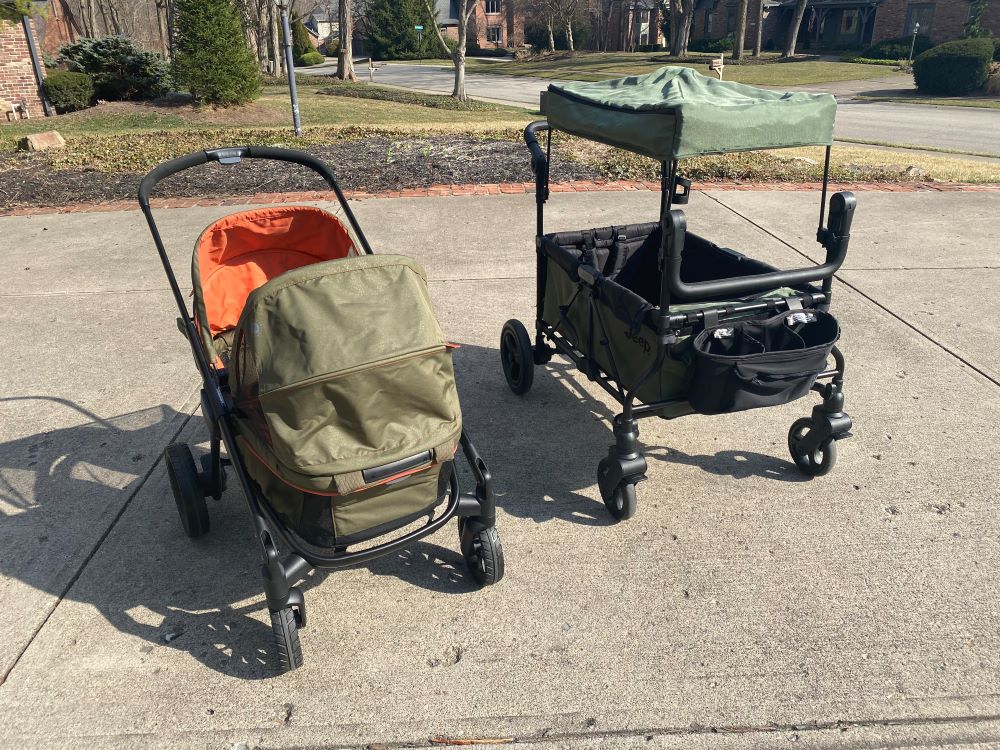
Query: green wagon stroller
329, 382
666, 321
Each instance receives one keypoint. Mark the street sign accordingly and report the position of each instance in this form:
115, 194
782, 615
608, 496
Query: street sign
418, 28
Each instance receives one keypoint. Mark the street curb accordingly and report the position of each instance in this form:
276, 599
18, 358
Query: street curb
502, 188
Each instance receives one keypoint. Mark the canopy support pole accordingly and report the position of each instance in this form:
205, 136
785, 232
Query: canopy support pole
826, 183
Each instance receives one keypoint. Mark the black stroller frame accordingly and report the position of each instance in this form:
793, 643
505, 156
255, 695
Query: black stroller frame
812, 440
476, 512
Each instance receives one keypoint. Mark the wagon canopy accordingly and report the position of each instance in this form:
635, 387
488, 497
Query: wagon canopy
675, 112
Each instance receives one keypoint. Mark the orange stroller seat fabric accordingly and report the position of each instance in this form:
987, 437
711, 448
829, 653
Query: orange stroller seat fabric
243, 251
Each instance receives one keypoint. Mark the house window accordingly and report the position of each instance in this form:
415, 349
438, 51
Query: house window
493, 6
922, 13
849, 23
494, 34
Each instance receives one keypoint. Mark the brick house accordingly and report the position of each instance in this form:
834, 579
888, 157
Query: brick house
497, 22
18, 83
941, 20
843, 24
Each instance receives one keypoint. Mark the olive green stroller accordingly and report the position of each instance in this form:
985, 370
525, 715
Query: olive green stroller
327, 378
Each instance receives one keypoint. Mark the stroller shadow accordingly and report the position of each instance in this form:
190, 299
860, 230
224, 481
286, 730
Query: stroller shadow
555, 436
733, 463
59, 491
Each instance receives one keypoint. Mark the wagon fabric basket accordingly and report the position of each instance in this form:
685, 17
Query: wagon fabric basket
755, 363
346, 406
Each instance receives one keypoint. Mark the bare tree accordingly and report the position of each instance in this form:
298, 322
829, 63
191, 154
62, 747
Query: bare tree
570, 11
741, 30
758, 37
793, 28
466, 8
345, 52
681, 16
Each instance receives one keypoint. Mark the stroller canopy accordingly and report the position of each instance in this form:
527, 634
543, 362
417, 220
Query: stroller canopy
675, 112
243, 251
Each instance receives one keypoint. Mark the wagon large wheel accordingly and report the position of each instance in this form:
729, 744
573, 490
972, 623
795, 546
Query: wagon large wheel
517, 357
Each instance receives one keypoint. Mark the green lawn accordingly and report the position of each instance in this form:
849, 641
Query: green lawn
113, 129
770, 70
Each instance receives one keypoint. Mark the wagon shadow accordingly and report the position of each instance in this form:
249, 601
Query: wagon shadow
59, 491
732, 463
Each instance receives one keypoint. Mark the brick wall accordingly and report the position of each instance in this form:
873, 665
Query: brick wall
17, 77
947, 18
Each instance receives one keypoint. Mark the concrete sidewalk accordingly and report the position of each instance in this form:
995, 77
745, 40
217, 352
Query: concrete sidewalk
742, 607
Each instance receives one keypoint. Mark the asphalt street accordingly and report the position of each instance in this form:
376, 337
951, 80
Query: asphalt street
961, 128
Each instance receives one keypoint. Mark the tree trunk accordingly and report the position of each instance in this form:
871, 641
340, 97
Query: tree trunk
92, 19
793, 28
569, 36
741, 30
345, 50
758, 37
681, 16
276, 52
552, 38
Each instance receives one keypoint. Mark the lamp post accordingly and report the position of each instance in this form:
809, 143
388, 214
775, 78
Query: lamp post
290, 64
913, 43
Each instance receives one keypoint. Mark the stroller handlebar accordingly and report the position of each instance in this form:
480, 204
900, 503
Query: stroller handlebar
232, 156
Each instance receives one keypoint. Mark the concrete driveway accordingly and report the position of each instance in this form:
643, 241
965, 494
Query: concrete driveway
960, 128
743, 607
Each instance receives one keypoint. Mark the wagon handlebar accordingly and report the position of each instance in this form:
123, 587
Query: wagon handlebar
233, 156
835, 238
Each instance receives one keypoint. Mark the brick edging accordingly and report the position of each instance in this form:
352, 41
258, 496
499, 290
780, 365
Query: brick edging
502, 188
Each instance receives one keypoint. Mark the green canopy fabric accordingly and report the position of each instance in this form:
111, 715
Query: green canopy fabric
675, 112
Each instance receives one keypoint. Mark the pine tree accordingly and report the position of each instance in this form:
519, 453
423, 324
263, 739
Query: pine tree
211, 56
300, 40
392, 33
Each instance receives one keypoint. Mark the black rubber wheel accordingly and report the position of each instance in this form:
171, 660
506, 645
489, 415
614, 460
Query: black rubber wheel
818, 462
189, 493
621, 503
285, 626
483, 554
516, 357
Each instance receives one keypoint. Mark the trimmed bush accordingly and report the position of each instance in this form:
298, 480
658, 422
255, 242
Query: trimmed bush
711, 45
898, 48
211, 56
391, 34
330, 47
301, 44
311, 58
954, 68
119, 68
69, 91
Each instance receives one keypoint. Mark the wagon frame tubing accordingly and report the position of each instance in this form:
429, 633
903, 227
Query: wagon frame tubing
670, 325
281, 574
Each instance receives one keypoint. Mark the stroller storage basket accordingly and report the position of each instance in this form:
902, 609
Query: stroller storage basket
754, 363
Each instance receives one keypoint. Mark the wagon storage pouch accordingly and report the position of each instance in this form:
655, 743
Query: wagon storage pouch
762, 362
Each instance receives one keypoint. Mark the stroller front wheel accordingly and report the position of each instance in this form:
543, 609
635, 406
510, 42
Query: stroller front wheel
517, 357
483, 554
285, 627
621, 501
812, 462
189, 493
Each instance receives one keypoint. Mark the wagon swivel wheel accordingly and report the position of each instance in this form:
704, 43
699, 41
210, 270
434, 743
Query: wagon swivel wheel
483, 553
285, 627
621, 501
189, 492
517, 357
816, 461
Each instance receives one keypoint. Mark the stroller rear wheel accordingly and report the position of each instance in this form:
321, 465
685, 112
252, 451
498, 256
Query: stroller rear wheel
285, 626
483, 553
814, 463
189, 492
516, 357
621, 501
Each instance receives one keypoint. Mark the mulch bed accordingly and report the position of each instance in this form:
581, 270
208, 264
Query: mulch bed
372, 165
